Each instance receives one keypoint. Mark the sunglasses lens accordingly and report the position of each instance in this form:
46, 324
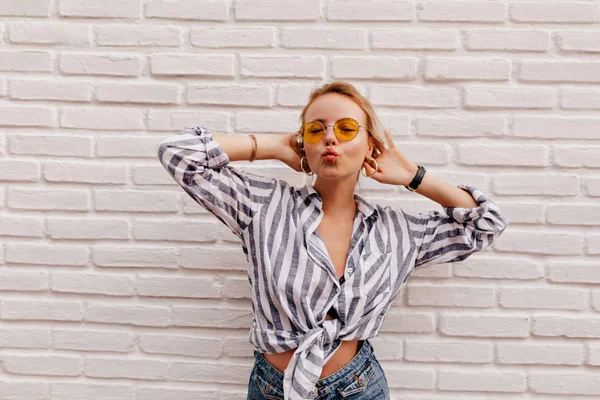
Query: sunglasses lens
346, 129
311, 131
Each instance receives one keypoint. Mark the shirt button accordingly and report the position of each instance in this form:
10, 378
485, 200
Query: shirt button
350, 269
315, 391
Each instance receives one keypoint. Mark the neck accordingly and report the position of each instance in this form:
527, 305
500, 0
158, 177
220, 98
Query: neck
338, 197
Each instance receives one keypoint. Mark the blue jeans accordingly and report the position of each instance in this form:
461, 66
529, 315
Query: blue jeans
360, 379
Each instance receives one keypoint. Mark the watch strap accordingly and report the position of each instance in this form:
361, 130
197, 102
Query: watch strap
414, 184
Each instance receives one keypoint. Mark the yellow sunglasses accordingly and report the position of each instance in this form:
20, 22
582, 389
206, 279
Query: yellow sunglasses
345, 129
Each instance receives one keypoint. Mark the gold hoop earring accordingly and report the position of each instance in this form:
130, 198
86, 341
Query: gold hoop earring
376, 168
302, 167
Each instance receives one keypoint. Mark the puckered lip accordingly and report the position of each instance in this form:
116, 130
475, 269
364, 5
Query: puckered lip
328, 152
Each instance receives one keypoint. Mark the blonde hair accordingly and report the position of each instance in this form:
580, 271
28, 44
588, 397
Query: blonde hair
374, 126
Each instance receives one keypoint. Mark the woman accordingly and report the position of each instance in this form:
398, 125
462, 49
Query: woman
325, 264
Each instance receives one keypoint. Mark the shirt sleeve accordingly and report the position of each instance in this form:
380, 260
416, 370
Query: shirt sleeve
456, 233
201, 167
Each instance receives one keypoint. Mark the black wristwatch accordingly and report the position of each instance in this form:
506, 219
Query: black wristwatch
412, 186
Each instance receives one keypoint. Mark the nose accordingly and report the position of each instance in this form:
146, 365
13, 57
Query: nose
329, 135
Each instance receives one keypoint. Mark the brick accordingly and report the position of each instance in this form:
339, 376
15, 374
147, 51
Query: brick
102, 118
550, 325
277, 10
454, 352
499, 268
231, 318
413, 39
236, 289
20, 226
152, 175
135, 201
134, 256
85, 173
193, 65
578, 41
323, 38
450, 296
138, 36
34, 116
199, 231
571, 156
42, 310
100, 64
359, 11
56, 254
425, 153
175, 121
593, 244
540, 354
126, 146
99, 9
3, 86
559, 71
507, 40
569, 384
29, 8
573, 214
25, 61
536, 242
524, 155
23, 282
216, 38
593, 186
461, 11
107, 285
402, 69
43, 364
459, 69
78, 229
126, 368
240, 95
414, 96
137, 93
509, 97
45, 199
523, 213
25, 338
137, 315
57, 146
536, 184
482, 381
19, 171
543, 298
197, 288
174, 344
556, 127
580, 98
115, 342
286, 66
64, 391
38, 89
403, 322
228, 258
490, 125
568, 271
49, 34
553, 11
484, 326
199, 10
266, 121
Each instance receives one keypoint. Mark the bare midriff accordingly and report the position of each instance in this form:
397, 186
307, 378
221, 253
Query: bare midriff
342, 356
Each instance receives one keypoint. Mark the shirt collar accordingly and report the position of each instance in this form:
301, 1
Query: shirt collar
308, 192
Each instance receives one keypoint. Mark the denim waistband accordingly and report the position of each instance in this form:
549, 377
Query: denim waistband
364, 353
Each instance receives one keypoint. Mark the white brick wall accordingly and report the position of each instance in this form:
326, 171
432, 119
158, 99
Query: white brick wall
98, 301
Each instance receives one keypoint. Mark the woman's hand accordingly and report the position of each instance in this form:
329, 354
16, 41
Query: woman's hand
394, 168
290, 151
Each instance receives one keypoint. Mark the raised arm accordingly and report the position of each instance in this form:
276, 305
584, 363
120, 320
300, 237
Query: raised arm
199, 163
457, 232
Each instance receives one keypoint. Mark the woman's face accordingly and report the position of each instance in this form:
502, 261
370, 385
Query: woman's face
329, 108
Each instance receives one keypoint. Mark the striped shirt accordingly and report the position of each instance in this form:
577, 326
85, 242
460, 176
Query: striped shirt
293, 281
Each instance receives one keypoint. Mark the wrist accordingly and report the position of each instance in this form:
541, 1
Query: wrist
268, 146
